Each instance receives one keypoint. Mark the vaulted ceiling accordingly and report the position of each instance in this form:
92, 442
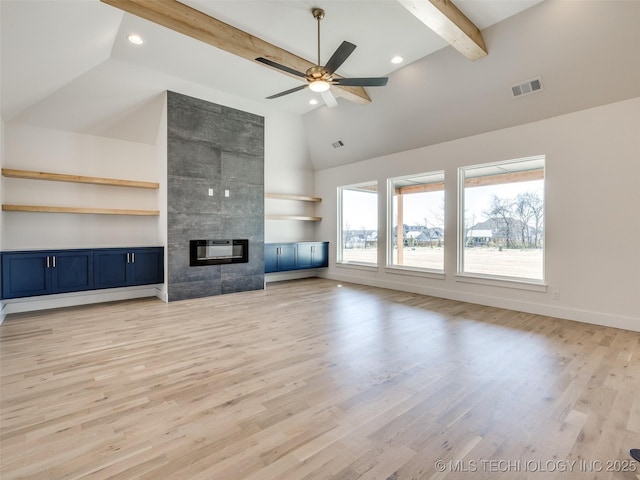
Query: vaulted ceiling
67, 64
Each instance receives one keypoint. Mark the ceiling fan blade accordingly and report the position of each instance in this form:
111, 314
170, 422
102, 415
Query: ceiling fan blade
287, 92
273, 64
329, 100
339, 56
361, 82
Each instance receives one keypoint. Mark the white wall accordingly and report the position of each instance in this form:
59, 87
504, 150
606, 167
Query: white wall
287, 170
1, 181
40, 149
592, 201
2, 303
162, 165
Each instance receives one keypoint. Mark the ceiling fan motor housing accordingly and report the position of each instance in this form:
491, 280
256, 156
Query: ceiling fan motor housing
317, 72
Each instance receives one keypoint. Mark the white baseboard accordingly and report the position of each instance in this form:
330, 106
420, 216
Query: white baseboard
585, 316
292, 275
162, 294
30, 304
3, 313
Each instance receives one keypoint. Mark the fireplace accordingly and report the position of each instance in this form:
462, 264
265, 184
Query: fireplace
218, 252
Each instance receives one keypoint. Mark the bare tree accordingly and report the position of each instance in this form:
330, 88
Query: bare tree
437, 214
536, 205
502, 208
346, 234
524, 213
530, 209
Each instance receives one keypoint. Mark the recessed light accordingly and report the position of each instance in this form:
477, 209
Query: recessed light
397, 59
313, 101
135, 39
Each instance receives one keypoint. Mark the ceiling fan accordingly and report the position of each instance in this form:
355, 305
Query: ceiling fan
319, 79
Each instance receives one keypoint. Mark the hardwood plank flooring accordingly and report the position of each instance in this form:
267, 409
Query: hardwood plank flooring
309, 380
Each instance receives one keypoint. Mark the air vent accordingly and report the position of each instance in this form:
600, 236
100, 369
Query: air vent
525, 88
337, 144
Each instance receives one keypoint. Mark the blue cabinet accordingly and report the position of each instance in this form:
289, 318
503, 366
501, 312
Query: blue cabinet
313, 254
26, 274
279, 257
120, 267
283, 257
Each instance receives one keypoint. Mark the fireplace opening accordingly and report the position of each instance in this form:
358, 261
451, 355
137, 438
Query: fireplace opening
218, 252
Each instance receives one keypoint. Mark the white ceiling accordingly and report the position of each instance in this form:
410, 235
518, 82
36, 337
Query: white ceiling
66, 64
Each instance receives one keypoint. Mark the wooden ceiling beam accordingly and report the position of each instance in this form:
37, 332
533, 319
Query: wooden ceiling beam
196, 24
445, 19
483, 181
502, 178
422, 188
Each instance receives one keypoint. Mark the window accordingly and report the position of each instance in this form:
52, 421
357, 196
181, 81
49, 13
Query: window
358, 224
502, 219
417, 224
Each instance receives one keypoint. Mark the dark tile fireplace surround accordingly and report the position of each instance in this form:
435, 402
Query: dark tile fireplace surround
215, 190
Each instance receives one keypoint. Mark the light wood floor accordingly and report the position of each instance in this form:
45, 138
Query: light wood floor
310, 381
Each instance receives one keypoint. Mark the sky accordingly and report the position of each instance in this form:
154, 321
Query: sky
360, 209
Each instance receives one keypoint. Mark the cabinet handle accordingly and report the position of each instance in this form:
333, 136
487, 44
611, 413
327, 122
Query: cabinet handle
133, 258
48, 265
54, 261
128, 257
313, 248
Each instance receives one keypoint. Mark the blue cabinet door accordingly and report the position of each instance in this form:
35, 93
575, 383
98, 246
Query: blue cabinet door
305, 255
26, 274
287, 257
271, 251
110, 267
320, 255
146, 266
72, 271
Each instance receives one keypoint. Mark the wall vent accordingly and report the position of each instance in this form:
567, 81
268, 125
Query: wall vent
337, 144
525, 88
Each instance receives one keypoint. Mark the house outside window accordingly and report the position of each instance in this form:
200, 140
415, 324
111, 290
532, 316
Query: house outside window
416, 235
358, 224
501, 218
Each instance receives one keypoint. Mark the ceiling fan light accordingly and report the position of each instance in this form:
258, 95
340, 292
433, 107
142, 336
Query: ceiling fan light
319, 86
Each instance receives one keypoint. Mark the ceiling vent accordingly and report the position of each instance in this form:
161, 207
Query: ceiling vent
337, 144
525, 88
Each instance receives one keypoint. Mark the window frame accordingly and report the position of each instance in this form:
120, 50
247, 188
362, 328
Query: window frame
392, 267
524, 283
340, 234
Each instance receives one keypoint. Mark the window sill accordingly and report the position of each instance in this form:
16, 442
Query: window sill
358, 266
414, 272
530, 285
